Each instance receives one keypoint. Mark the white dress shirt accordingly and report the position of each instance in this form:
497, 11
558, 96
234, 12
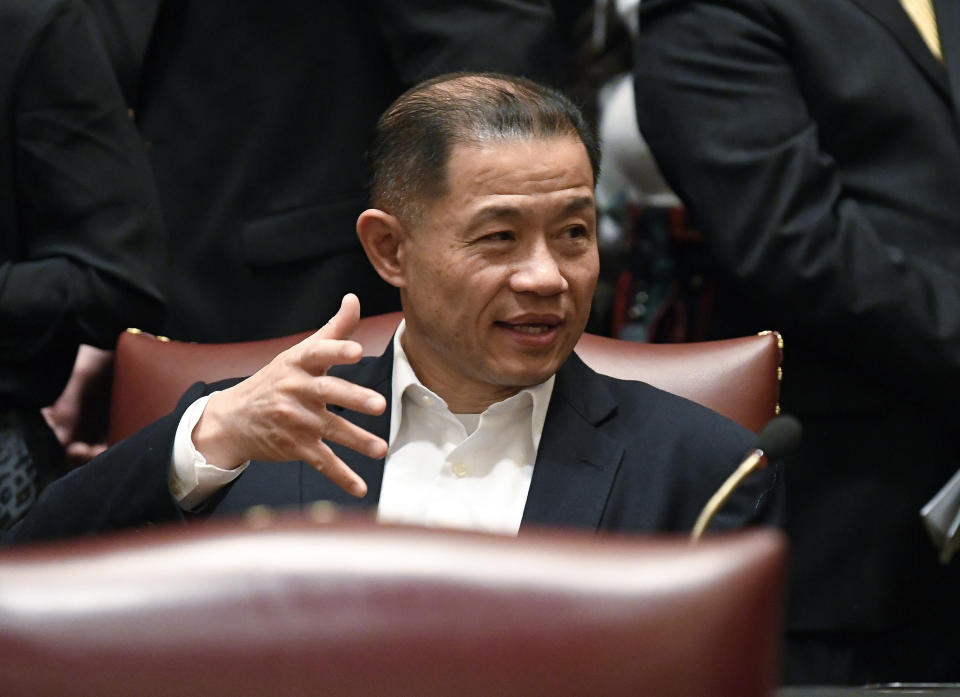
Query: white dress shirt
465, 471
192, 478
442, 469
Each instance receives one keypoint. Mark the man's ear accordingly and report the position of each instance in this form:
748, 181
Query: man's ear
382, 236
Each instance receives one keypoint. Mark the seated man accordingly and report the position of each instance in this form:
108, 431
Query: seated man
478, 415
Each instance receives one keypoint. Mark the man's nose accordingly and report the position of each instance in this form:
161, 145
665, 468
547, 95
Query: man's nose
538, 272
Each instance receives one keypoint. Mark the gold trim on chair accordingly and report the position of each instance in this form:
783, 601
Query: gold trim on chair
776, 408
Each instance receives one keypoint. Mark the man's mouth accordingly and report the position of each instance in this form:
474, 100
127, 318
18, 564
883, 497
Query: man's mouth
532, 325
532, 329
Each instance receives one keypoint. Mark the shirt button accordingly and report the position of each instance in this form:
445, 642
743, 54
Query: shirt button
426, 399
459, 469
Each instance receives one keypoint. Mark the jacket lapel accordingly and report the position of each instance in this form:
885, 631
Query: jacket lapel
576, 462
127, 28
891, 14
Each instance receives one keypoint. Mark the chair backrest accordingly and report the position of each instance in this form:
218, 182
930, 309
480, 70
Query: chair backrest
736, 377
354, 609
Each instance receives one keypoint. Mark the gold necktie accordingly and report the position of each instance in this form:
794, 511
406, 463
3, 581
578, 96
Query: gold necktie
921, 12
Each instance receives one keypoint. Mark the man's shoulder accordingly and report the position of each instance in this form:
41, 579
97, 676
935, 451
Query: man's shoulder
663, 435
638, 405
674, 453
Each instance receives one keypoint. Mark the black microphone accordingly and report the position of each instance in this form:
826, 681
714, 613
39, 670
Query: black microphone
778, 437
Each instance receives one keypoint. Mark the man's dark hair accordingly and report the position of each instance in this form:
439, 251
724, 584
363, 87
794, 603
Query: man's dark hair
416, 134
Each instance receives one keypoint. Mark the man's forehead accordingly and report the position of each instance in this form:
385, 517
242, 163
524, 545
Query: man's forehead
519, 166
469, 147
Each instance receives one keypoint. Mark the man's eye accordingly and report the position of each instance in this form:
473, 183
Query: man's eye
575, 231
499, 236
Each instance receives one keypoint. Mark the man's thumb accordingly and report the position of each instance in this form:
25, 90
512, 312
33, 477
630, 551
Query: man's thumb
342, 324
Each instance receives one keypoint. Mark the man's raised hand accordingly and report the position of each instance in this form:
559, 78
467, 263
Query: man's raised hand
280, 413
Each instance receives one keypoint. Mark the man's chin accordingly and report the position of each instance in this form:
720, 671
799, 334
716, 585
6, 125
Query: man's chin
512, 367
525, 376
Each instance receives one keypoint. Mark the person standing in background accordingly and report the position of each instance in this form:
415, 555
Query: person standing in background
818, 146
257, 115
81, 241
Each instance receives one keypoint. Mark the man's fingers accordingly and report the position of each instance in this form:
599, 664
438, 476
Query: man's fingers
79, 453
337, 471
330, 344
336, 429
316, 355
343, 393
342, 324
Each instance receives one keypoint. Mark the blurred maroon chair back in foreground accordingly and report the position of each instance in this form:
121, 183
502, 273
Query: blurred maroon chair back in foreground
736, 377
348, 609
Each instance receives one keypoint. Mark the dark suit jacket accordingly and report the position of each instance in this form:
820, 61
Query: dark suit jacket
257, 115
81, 244
817, 145
614, 455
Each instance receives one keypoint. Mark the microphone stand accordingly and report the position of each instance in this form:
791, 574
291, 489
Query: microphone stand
746, 468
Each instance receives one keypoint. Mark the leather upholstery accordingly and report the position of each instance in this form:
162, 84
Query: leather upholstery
736, 377
347, 609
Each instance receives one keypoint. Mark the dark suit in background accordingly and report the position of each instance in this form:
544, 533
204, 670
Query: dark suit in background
614, 455
257, 115
81, 242
817, 145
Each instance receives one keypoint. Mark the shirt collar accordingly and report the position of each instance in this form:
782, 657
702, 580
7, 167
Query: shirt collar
405, 379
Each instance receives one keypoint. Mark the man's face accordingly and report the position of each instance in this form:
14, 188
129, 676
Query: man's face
499, 274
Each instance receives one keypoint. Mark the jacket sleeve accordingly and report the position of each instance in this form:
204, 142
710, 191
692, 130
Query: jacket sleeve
89, 243
720, 105
126, 486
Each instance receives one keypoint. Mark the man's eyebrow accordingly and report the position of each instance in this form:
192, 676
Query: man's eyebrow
494, 212
578, 204
500, 211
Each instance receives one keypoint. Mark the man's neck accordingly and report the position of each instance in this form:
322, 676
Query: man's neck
462, 395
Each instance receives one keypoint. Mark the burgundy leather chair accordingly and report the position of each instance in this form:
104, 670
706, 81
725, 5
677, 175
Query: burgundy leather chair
294, 607
736, 377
